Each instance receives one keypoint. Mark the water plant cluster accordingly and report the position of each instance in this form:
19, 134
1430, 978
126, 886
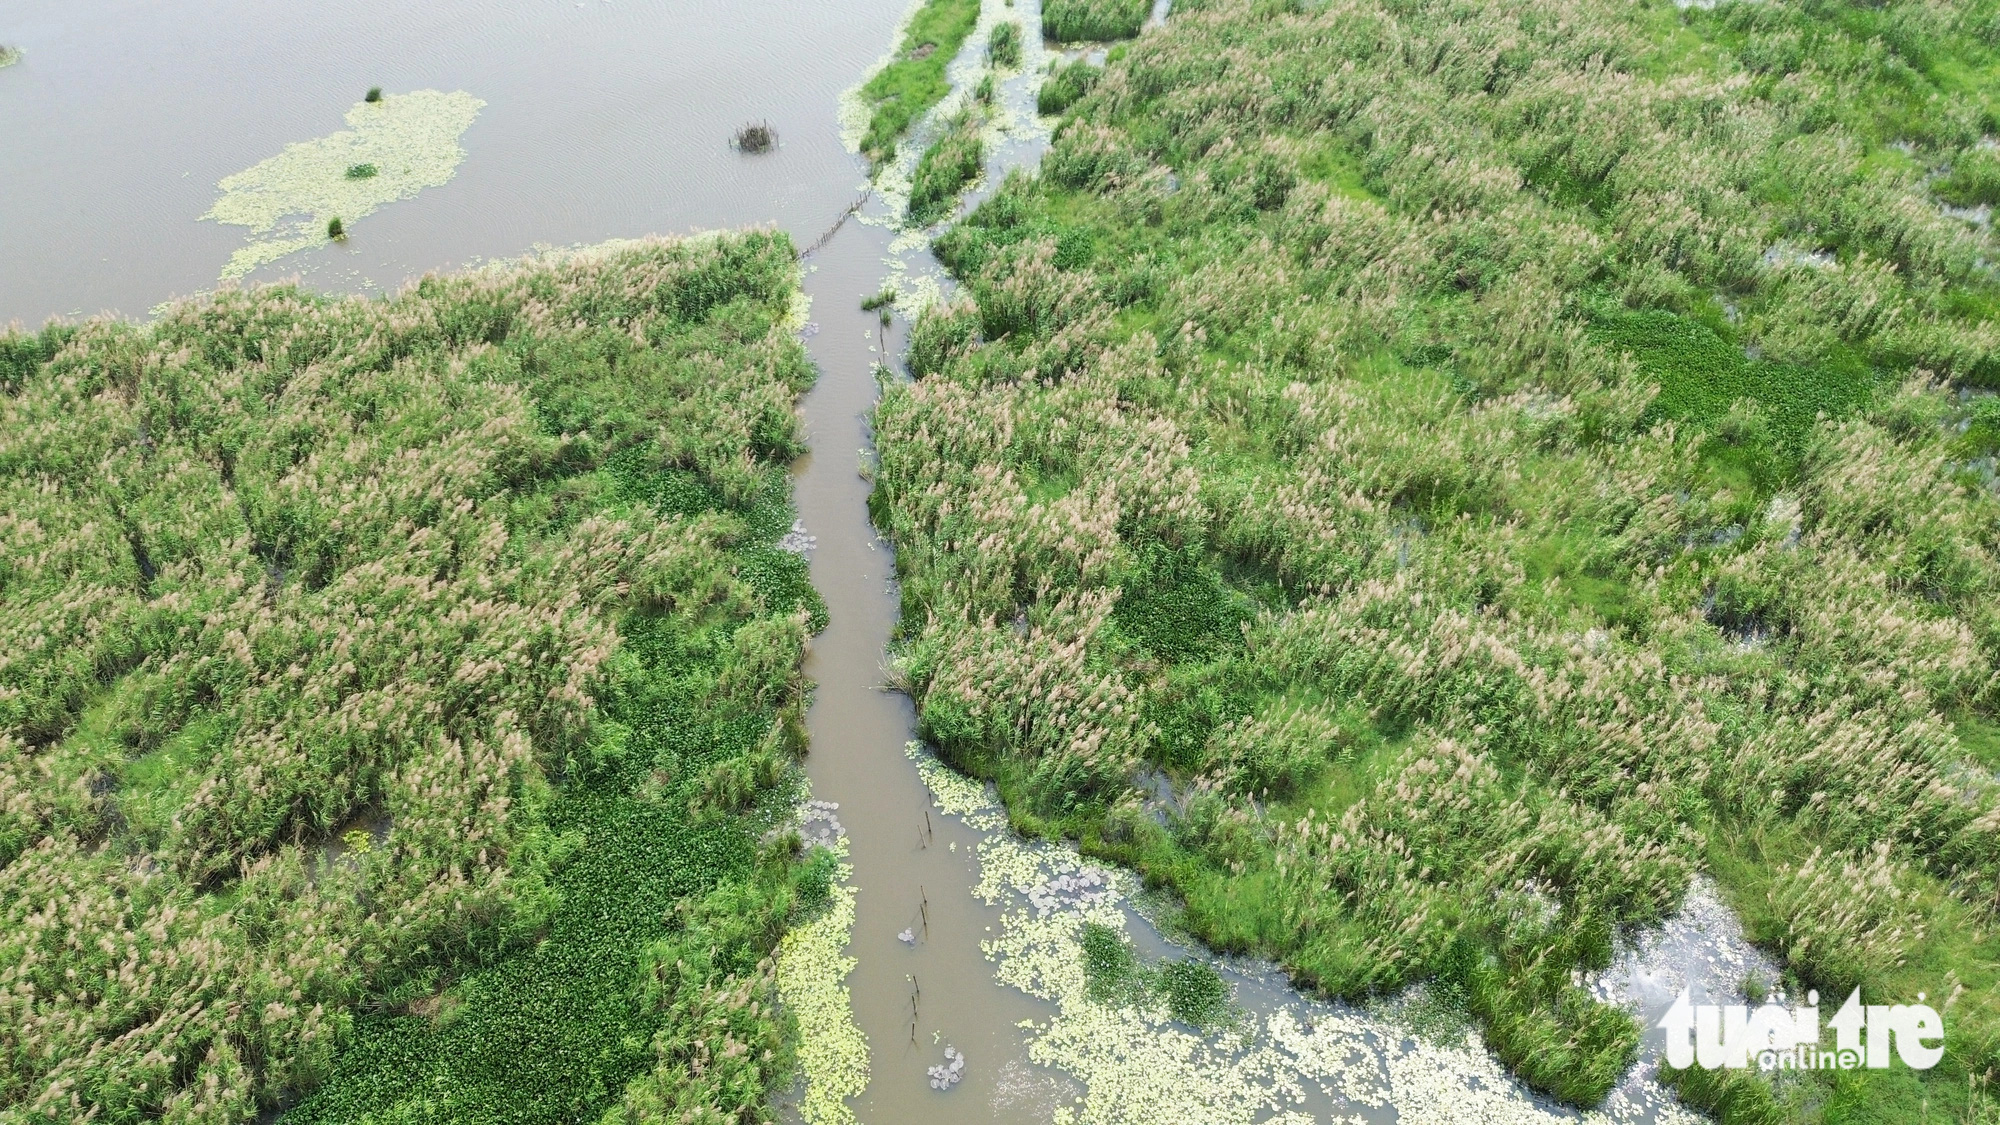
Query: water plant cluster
397, 697
1003, 48
1485, 466
755, 137
1192, 990
394, 148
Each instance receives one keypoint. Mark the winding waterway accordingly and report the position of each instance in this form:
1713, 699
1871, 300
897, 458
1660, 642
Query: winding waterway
605, 119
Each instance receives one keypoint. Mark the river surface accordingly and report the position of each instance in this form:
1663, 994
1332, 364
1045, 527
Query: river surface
586, 121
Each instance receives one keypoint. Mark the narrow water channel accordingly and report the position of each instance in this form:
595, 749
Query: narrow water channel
914, 867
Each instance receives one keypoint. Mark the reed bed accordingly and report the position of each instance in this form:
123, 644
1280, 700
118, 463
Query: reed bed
1492, 465
390, 691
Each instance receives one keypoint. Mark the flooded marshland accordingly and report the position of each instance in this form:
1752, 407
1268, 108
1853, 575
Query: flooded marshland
151, 153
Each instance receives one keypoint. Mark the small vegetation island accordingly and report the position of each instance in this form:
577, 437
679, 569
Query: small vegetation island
1479, 468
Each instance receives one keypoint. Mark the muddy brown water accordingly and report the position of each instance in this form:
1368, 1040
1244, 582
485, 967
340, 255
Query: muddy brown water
909, 1000
603, 119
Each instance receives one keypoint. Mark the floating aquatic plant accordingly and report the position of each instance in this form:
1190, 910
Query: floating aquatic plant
812, 983
756, 137
949, 1073
335, 230
9, 55
412, 140
362, 171
374, 95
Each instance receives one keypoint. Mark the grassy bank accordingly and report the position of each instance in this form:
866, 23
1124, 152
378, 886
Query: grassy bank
1477, 487
914, 80
395, 694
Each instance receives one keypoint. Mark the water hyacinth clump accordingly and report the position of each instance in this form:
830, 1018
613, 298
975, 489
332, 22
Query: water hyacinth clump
1110, 968
1472, 529
9, 55
1194, 992
362, 171
370, 711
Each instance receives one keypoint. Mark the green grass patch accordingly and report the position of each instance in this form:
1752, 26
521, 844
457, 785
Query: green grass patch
554, 1030
915, 80
1080, 21
457, 790
952, 163
1065, 86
